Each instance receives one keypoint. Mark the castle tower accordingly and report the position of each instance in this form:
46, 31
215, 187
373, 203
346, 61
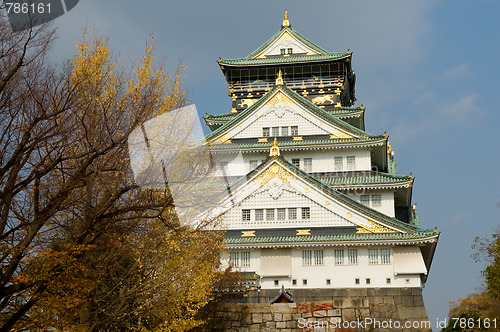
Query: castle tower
319, 205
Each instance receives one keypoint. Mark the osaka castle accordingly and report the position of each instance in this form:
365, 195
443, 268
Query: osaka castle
315, 200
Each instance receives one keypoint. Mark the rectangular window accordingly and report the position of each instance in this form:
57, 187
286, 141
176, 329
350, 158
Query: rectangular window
253, 164
368, 281
245, 215
376, 200
283, 50
318, 257
351, 163
281, 214
306, 258
373, 256
304, 282
276, 131
296, 162
292, 213
265, 131
328, 281
276, 282
284, 131
356, 281
269, 214
352, 256
307, 164
339, 163
234, 258
294, 282
339, 257
365, 199
306, 213
290, 50
385, 256
245, 259
294, 130
388, 280
259, 214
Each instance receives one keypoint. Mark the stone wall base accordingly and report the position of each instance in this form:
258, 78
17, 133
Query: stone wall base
370, 309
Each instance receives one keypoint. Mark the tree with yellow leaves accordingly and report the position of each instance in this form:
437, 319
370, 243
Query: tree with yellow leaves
82, 247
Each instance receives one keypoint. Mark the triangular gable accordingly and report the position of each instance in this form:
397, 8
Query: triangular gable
276, 103
276, 176
287, 38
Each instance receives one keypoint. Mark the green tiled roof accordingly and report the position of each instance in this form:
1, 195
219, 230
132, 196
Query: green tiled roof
325, 238
279, 60
301, 100
361, 178
284, 144
292, 32
337, 111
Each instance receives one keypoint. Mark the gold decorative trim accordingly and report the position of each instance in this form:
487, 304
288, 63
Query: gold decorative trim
327, 202
374, 228
323, 99
263, 140
306, 190
297, 138
247, 233
275, 150
303, 232
339, 134
275, 171
279, 97
233, 110
348, 214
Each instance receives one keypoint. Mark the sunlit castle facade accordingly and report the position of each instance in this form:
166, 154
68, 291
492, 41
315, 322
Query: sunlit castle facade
319, 204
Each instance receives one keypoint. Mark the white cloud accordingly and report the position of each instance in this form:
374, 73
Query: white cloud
465, 109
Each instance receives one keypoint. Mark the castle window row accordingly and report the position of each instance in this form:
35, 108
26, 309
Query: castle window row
275, 214
350, 162
371, 200
240, 258
280, 131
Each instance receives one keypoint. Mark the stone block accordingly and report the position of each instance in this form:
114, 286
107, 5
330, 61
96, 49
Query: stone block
271, 325
287, 316
278, 317
267, 317
254, 328
291, 323
256, 318
280, 325
281, 307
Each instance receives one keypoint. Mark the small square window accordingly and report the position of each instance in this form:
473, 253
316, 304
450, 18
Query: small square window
307, 164
281, 214
296, 162
283, 51
388, 280
304, 281
259, 214
306, 213
365, 199
245, 215
356, 281
351, 163
276, 282
294, 282
339, 163
292, 213
284, 131
269, 214
368, 281
294, 130
289, 50
328, 282
254, 164
265, 131
276, 131
377, 200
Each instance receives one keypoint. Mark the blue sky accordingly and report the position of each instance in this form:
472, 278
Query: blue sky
427, 73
